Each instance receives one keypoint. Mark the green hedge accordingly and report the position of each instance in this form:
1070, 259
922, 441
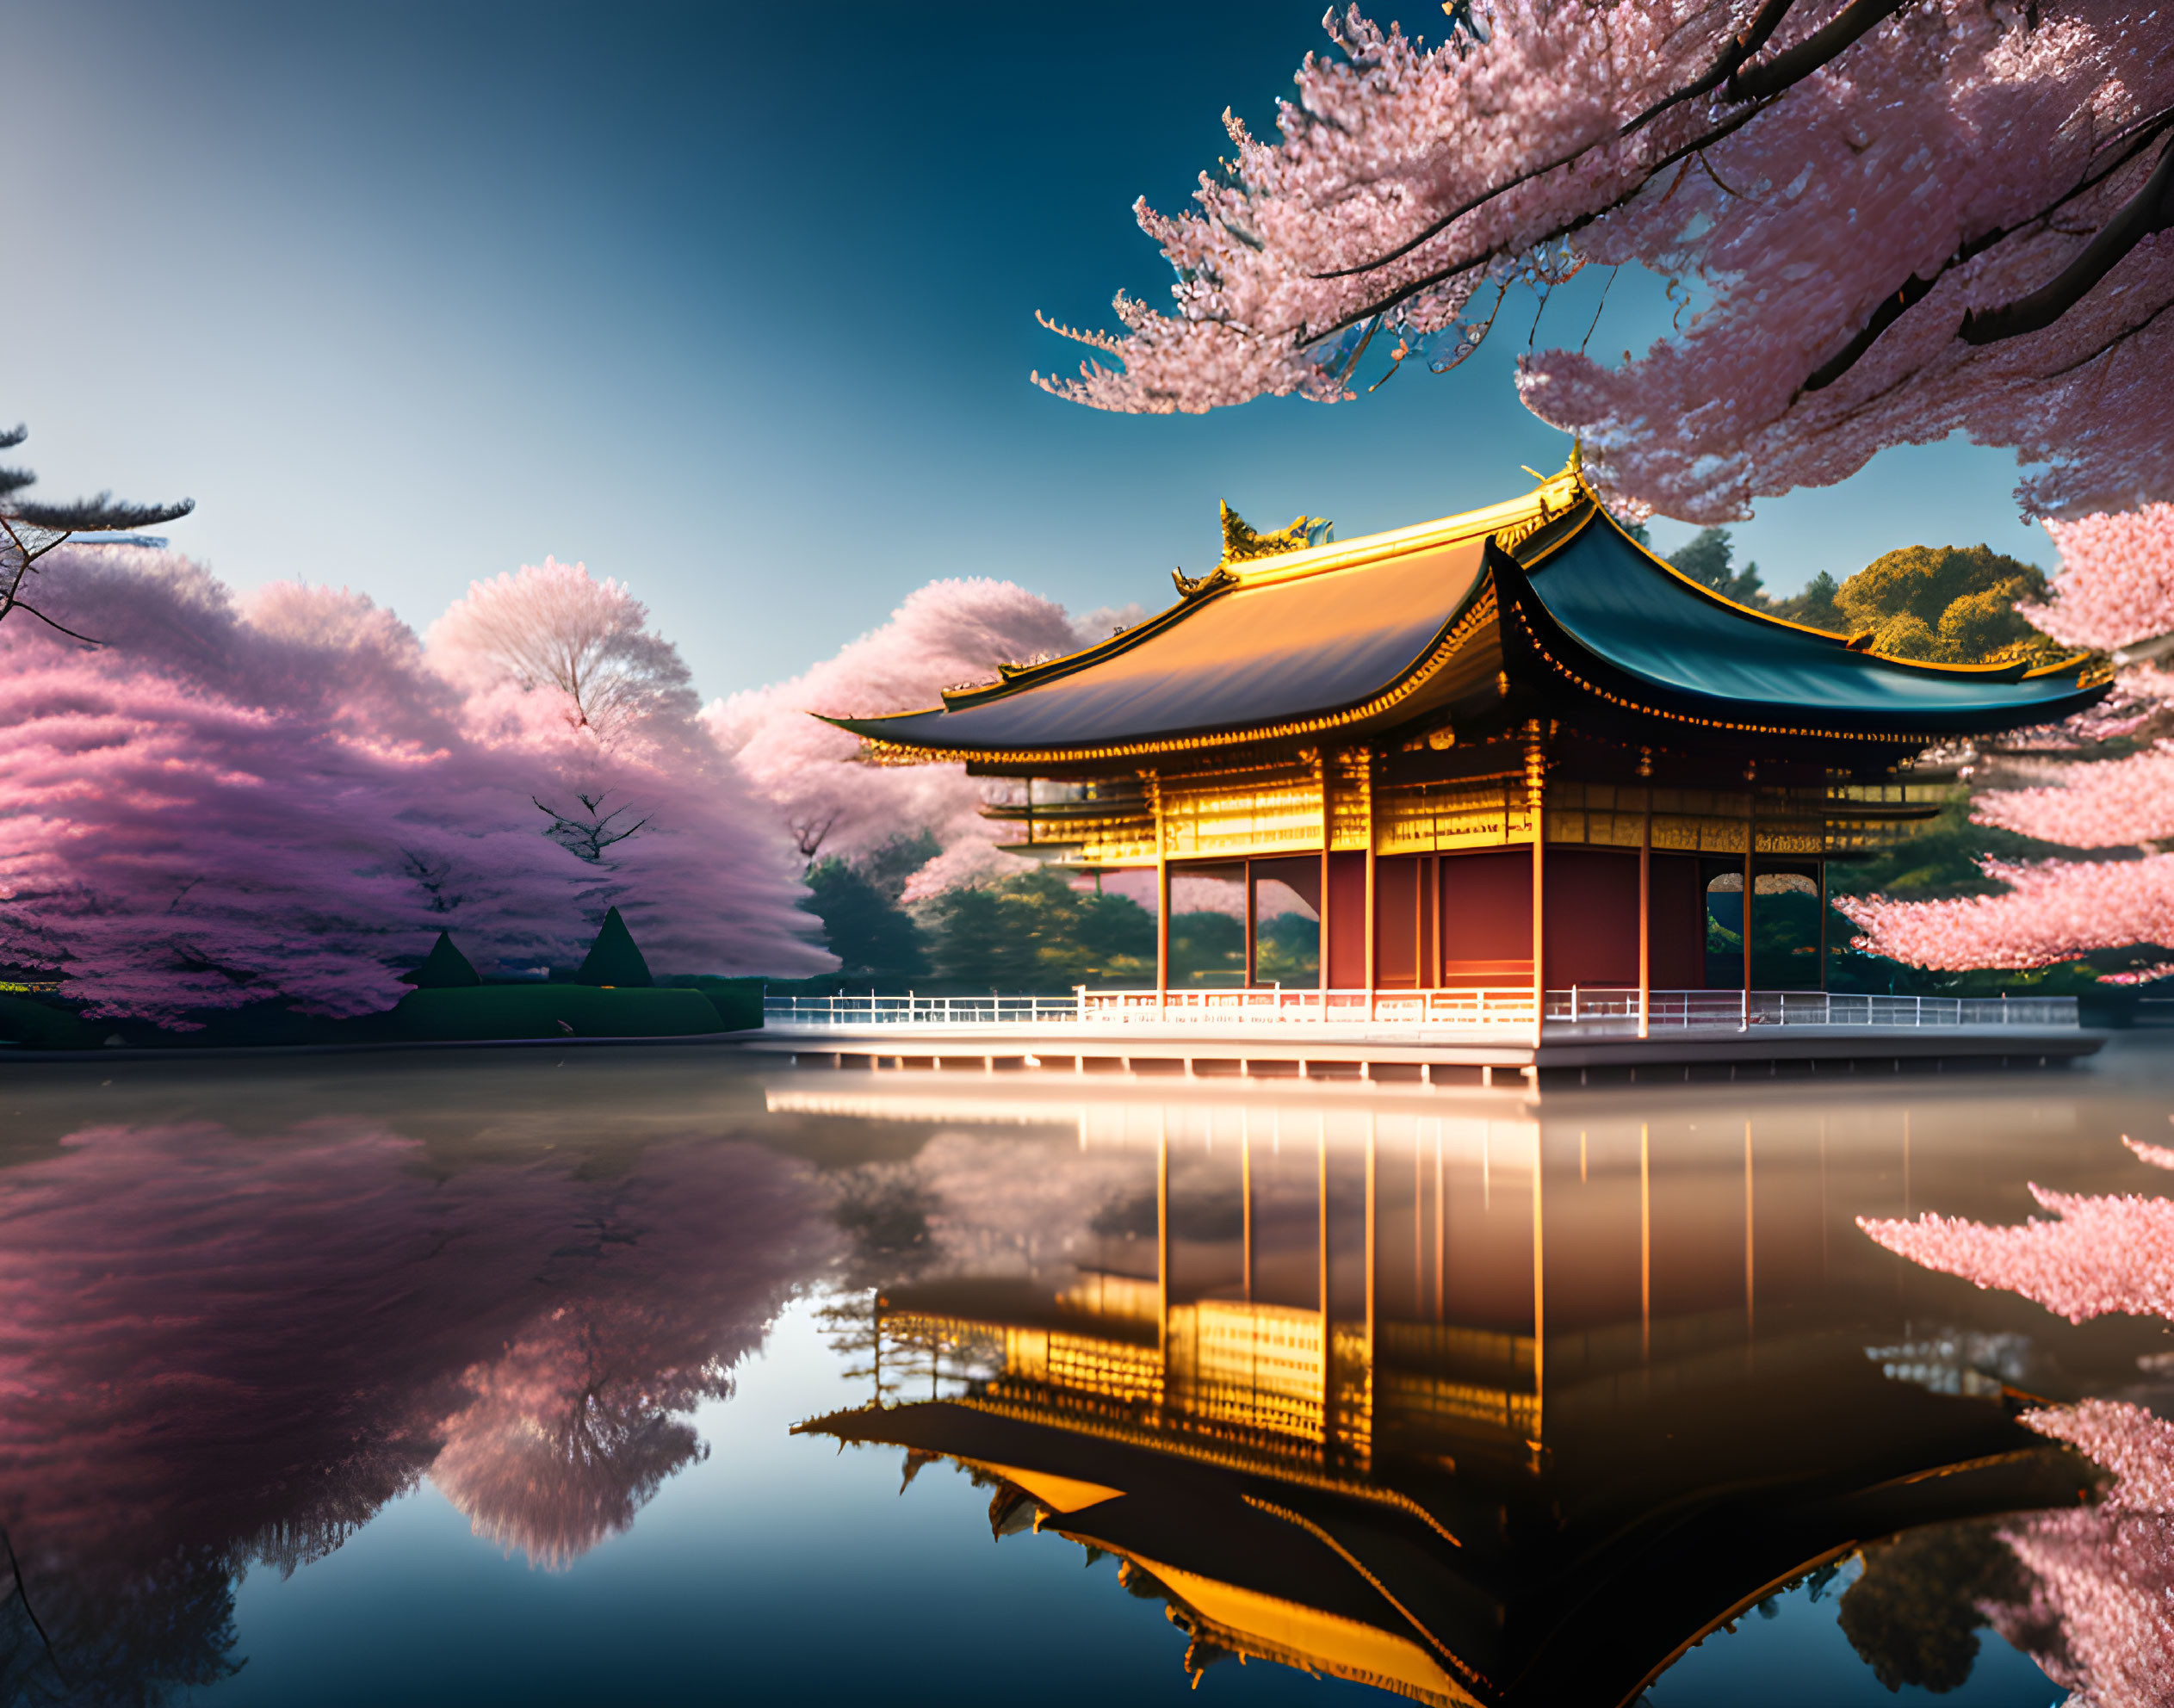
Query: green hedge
42, 1025
555, 1011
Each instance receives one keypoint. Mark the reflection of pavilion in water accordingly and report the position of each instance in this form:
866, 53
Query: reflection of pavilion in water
1436, 1404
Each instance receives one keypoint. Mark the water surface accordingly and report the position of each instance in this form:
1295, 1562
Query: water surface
646, 1374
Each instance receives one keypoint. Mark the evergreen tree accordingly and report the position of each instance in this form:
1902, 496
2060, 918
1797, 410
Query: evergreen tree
1815, 607
874, 938
445, 967
613, 958
1709, 558
29, 529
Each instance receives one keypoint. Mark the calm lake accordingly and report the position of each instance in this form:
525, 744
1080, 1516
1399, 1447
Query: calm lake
654, 1376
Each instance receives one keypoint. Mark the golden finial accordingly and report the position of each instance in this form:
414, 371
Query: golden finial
1242, 541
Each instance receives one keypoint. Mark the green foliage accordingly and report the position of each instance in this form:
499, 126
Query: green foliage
874, 938
1815, 607
739, 1002
1207, 948
1785, 940
1709, 558
445, 967
889, 866
613, 958
552, 1011
1286, 951
1035, 934
1913, 1616
1946, 604
31, 1024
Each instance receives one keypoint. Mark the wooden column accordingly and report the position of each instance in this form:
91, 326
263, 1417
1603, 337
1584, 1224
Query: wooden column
1750, 851
1422, 872
1253, 913
1373, 921
1823, 924
1328, 818
1646, 917
1535, 806
1161, 925
1162, 897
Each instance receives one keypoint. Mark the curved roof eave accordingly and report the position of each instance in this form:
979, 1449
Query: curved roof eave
1653, 626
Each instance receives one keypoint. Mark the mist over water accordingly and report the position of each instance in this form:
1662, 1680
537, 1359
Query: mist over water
645, 1374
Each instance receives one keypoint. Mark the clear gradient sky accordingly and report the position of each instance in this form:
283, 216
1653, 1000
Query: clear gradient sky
733, 302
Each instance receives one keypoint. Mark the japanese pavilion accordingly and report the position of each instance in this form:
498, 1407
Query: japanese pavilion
1510, 748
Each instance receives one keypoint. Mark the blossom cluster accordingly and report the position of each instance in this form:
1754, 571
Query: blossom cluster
1952, 161
284, 799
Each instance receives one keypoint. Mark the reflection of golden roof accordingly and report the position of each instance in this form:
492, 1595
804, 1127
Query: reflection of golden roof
1491, 1581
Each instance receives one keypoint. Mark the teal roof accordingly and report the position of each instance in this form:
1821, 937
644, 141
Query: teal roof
1624, 607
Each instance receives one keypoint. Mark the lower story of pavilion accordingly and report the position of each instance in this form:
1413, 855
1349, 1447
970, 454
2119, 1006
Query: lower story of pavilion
1504, 882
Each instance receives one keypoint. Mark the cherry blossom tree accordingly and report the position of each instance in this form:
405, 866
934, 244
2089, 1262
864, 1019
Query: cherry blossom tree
566, 681
552, 626
280, 800
346, 1314
1902, 221
2114, 593
2102, 1576
945, 634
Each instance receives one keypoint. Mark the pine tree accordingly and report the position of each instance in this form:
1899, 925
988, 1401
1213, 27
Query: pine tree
29, 529
613, 958
445, 968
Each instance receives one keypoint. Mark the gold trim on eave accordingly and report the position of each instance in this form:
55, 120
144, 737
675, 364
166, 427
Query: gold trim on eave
1483, 610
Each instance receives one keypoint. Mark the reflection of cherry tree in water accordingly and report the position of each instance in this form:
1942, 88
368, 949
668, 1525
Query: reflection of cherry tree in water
968, 1204
2100, 1616
216, 1351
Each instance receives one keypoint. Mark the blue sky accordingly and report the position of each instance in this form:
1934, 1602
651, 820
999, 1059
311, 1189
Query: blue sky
735, 303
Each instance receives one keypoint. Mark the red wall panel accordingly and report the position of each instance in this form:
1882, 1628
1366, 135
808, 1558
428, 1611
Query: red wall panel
1678, 924
1487, 917
1347, 945
1397, 926
1592, 917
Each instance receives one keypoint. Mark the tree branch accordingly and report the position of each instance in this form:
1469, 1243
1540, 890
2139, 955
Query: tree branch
1405, 292
1826, 44
1759, 84
11, 602
1740, 49
2150, 210
1915, 288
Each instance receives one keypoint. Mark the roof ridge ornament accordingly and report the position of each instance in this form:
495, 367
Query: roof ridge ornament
1242, 542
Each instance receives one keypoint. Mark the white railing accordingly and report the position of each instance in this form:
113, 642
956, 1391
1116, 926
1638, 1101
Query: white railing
1596, 1010
872, 1010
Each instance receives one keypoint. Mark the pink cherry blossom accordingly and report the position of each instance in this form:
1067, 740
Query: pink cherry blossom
2100, 1255
2111, 804
2159, 1156
2114, 588
241, 1345
281, 800
946, 634
2051, 910
2102, 1579
1952, 161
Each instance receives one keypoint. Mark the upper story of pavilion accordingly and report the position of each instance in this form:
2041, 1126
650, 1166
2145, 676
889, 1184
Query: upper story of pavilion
1411, 691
